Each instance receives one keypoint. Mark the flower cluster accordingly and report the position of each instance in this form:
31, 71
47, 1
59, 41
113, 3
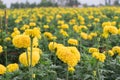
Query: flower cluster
88, 36
96, 54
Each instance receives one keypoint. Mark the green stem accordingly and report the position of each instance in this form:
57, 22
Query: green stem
31, 70
72, 76
98, 73
67, 74
6, 59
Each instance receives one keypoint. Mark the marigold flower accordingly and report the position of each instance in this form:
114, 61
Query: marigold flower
64, 33
35, 58
21, 41
52, 46
32, 24
46, 26
71, 69
2, 69
35, 42
1, 49
116, 49
110, 52
69, 55
12, 67
102, 57
35, 32
73, 42
92, 50
64, 26
84, 35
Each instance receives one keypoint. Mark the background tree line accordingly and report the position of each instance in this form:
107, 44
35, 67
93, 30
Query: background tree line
48, 3
2, 5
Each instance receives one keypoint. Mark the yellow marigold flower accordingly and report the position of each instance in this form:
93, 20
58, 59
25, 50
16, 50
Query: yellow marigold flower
83, 27
64, 26
64, 33
46, 26
48, 35
116, 17
106, 29
90, 37
110, 52
106, 24
60, 22
25, 27
113, 30
71, 69
38, 50
35, 32
116, 49
105, 35
81, 18
91, 17
82, 22
16, 32
21, 41
58, 16
73, 42
8, 39
52, 46
35, 58
84, 35
96, 19
113, 23
76, 28
72, 21
102, 57
59, 45
32, 24
2, 69
119, 31
35, 42
15, 29
93, 34
76, 53
92, 50
69, 55
95, 55
17, 21
12, 67
1, 49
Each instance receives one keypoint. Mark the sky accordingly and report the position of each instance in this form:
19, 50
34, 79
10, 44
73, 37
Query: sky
89, 2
